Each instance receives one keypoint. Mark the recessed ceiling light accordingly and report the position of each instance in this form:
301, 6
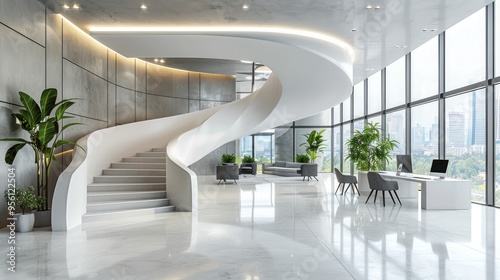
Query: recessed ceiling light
378, 7
369, 69
66, 7
425, 29
369, 6
76, 7
245, 7
433, 29
162, 60
144, 7
156, 59
401, 46
354, 29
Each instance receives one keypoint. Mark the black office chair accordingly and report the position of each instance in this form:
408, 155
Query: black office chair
343, 179
377, 183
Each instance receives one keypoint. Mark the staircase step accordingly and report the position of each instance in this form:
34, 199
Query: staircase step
138, 165
133, 172
110, 187
124, 214
152, 154
161, 150
121, 195
95, 207
145, 159
129, 179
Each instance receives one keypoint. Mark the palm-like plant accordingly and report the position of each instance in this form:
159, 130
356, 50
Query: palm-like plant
44, 131
369, 149
315, 144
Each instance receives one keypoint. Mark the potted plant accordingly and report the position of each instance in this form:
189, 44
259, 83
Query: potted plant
44, 135
247, 159
24, 199
303, 158
228, 159
314, 144
369, 149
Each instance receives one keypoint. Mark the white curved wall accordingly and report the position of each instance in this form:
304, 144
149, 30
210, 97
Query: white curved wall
309, 76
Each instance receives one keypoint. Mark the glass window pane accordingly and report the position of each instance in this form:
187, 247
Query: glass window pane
466, 140
497, 45
497, 138
346, 109
395, 83
246, 146
324, 159
346, 133
396, 130
424, 70
323, 118
376, 119
264, 148
359, 100
375, 93
336, 147
424, 136
336, 114
465, 51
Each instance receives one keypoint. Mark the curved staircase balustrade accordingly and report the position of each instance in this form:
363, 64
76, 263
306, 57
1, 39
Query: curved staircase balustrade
309, 75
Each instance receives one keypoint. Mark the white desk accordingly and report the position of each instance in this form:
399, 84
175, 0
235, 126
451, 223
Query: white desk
436, 193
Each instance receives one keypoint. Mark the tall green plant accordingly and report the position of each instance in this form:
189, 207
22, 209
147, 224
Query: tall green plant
314, 144
44, 133
369, 149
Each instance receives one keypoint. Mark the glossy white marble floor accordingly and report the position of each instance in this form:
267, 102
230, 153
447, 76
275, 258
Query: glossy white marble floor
279, 228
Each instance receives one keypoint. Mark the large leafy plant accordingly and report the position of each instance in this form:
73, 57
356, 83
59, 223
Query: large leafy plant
314, 144
369, 149
44, 133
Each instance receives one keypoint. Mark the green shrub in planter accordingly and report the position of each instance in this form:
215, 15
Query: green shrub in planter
227, 158
23, 198
247, 159
303, 158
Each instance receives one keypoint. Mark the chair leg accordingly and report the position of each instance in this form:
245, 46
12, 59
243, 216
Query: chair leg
369, 196
338, 188
316, 178
347, 188
235, 182
375, 199
219, 182
396, 193
392, 197
303, 179
383, 198
357, 189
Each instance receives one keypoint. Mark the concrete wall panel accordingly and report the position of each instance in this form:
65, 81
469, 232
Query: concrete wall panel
140, 106
26, 17
167, 82
217, 87
159, 106
125, 105
91, 89
84, 51
22, 66
125, 72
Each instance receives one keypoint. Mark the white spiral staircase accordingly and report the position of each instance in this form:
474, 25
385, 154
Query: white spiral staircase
311, 73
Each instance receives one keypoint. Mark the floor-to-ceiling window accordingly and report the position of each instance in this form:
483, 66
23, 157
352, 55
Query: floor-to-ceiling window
424, 70
466, 140
424, 136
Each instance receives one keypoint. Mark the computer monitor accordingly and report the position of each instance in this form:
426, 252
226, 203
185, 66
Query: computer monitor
439, 167
404, 163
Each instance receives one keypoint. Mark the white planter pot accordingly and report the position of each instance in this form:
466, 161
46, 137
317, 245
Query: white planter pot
42, 218
24, 222
363, 185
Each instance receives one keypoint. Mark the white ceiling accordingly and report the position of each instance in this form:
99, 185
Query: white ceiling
379, 31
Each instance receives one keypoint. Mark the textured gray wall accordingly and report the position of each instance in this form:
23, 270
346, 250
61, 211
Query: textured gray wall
38, 49
282, 143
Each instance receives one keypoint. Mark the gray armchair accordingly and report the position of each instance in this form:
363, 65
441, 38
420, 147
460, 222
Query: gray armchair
309, 170
346, 179
227, 172
248, 168
377, 183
